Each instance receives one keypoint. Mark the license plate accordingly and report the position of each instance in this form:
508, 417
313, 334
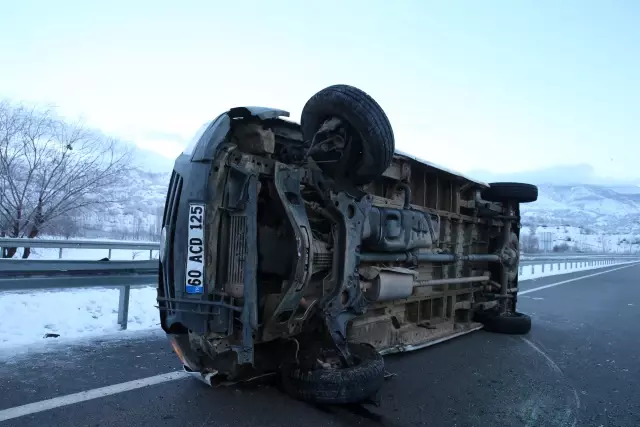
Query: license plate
195, 250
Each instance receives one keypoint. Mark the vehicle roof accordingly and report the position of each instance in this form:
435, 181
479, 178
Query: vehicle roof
441, 168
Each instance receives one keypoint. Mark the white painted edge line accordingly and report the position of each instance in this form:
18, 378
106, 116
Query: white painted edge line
551, 285
56, 402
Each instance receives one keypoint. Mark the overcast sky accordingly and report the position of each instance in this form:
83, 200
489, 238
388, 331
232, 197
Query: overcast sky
498, 85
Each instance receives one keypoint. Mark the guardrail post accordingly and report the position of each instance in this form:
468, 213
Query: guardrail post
109, 256
543, 267
60, 253
521, 270
123, 307
551, 265
533, 269
150, 253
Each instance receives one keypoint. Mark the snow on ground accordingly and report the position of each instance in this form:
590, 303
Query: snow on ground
71, 313
74, 313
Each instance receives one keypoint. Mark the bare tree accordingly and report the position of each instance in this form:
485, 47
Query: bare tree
604, 243
529, 243
65, 226
157, 224
50, 167
137, 227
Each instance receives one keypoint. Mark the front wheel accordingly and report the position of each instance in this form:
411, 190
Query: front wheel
372, 148
335, 385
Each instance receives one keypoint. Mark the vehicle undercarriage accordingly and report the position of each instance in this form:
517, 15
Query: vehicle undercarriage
324, 248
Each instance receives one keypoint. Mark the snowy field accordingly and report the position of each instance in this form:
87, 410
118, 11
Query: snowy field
81, 314
71, 313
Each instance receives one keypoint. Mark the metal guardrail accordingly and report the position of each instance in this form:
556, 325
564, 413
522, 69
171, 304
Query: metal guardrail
78, 244
578, 262
551, 256
6, 242
548, 260
20, 267
19, 274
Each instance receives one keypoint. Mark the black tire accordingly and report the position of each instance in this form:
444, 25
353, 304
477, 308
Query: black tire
510, 323
366, 118
337, 386
513, 191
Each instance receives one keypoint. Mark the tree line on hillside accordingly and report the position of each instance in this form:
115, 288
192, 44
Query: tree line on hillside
101, 225
51, 170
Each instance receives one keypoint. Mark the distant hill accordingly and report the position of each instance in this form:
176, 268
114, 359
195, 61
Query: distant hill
153, 162
580, 174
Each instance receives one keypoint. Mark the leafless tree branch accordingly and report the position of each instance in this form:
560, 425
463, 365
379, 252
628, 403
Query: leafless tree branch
50, 167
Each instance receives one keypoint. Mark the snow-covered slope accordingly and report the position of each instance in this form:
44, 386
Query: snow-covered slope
136, 215
604, 209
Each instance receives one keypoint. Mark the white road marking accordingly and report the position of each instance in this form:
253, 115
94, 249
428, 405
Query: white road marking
56, 402
551, 285
551, 363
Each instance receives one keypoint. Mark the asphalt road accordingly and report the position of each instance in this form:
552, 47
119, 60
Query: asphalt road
579, 366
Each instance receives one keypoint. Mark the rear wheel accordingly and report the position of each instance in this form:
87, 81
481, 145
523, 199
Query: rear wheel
371, 148
510, 191
505, 323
